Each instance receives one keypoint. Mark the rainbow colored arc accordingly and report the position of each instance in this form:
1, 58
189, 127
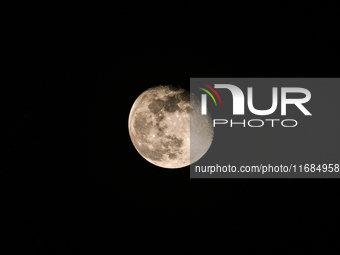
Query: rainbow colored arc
213, 90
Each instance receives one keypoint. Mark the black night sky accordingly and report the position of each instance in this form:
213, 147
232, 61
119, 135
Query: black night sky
71, 179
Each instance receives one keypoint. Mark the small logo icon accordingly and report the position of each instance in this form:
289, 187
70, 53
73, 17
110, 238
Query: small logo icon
204, 97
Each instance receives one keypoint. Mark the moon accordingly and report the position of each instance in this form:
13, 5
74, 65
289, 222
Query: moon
167, 129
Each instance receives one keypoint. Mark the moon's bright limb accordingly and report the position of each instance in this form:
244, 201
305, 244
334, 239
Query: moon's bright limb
161, 130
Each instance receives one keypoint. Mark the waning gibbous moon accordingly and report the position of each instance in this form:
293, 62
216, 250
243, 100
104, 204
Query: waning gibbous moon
167, 129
